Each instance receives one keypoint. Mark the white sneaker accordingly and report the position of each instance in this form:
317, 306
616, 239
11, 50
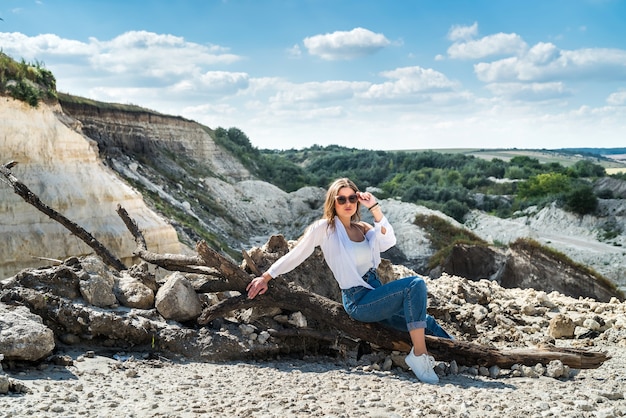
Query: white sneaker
422, 366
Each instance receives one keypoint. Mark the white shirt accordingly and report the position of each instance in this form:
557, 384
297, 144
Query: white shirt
337, 249
362, 256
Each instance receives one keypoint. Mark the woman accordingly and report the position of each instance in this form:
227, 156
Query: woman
352, 251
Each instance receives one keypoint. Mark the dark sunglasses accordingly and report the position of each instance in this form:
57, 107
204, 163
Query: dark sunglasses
343, 199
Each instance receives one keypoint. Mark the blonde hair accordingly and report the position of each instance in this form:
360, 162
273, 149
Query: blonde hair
331, 195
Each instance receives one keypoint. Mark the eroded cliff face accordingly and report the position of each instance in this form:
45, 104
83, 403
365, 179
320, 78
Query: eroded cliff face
144, 132
178, 163
63, 168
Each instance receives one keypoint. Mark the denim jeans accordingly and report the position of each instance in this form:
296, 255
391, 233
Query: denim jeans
399, 304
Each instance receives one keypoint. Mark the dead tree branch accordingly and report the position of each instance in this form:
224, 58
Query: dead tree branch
31, 198
170, 262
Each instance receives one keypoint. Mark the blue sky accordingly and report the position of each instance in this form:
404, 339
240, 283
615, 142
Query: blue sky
374, 74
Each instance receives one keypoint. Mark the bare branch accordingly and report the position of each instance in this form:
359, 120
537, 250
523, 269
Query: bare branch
29, 197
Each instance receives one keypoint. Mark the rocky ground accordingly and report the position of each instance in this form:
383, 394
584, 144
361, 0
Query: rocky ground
125, 385
99, 382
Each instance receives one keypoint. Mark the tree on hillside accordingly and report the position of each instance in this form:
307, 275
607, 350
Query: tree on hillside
581, 200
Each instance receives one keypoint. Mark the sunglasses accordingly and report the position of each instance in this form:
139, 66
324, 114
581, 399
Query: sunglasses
343, 199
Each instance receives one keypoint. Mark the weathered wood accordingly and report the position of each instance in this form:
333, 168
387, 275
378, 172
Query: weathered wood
31, 198
288, 296
170, 262
250, 263
238, 278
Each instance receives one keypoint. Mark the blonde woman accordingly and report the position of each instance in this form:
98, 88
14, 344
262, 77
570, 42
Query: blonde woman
352, 250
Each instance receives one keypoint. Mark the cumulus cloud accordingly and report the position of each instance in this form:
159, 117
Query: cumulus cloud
294, 51
316, 92
409, 82
530, 91
156, 55
463, 33
135, 53
498, 44
617, 98
30, 48
545, 62
346, 45
213, 82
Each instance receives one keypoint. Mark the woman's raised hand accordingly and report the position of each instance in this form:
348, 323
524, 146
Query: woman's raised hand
367, 199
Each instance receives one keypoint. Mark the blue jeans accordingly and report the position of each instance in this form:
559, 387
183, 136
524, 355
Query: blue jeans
399, 304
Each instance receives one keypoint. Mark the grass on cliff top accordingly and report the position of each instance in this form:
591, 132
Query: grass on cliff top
444, 236
131, 108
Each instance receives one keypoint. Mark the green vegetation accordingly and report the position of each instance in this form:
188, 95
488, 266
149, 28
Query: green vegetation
27, 82
453, 183
268, 166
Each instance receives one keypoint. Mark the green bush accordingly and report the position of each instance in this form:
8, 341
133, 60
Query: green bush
455, 209
25, 91
543, 185
581, 200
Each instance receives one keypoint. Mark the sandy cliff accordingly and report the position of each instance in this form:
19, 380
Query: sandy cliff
62, 167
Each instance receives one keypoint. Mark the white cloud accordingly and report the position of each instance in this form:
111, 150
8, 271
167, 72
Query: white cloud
315, 92
218, 84
498, 44
617, 98
530, 91
544, 62
345, 45
463, 33
155, 55
20, 46
133, 54
409, 82
294, 51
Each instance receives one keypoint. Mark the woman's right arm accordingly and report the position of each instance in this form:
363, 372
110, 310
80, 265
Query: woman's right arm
258, 285
303, 249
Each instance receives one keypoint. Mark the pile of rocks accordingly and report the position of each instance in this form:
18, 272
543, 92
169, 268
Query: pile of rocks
479, 311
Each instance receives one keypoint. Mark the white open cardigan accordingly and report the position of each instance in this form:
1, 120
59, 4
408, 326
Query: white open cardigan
336, 247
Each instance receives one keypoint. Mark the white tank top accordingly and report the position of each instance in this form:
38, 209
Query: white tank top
363, 256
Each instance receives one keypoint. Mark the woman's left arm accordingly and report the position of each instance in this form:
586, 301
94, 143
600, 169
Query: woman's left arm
382, 226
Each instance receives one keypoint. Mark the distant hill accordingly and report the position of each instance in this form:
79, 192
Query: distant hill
595, 151
606, 157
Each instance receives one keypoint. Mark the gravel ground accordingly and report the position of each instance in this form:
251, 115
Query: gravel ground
123, 385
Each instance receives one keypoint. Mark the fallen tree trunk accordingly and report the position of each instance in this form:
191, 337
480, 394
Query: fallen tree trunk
294, 298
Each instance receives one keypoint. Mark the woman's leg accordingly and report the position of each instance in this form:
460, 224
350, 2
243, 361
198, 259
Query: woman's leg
407, 295
418, 340
398, 322
433, 328
383, 303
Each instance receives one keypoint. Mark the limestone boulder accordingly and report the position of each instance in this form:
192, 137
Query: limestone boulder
23, 336
98, 291
177, 299
561, 326
133, 293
